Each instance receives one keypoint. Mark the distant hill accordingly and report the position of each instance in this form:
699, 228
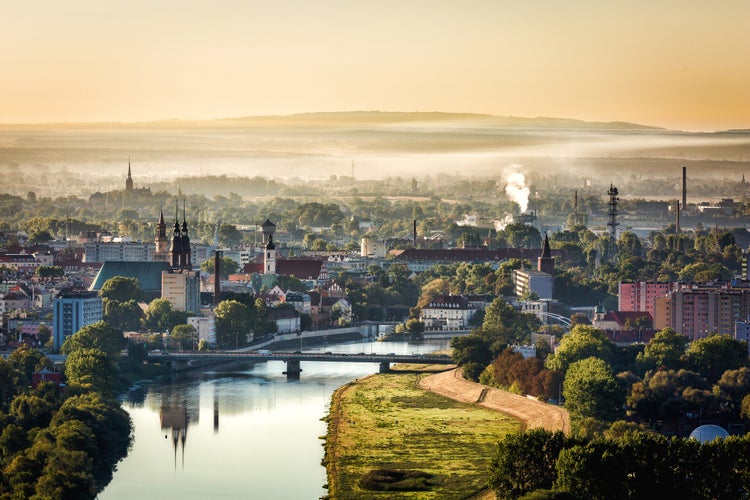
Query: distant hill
470, 119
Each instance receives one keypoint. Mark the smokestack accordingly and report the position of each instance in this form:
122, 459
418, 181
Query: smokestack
415, 233
684, 187
217, 277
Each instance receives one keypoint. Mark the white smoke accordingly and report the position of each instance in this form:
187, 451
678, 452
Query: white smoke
515, 186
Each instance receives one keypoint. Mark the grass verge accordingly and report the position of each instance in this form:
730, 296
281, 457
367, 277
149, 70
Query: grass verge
385, 429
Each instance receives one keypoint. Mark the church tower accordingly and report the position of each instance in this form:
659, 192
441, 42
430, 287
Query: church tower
187, 260
269, 260
175, 253
160, 240
129, 180
546, 263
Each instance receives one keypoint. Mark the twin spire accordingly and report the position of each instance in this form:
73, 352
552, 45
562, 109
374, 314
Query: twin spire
180, 254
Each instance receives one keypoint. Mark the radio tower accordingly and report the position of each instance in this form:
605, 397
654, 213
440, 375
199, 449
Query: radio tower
613, 199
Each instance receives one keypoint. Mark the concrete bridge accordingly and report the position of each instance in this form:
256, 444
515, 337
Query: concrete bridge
182, 360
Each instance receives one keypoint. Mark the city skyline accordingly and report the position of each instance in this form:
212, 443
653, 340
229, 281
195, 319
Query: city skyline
678, 65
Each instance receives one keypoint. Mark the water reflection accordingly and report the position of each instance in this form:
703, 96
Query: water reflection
238, 432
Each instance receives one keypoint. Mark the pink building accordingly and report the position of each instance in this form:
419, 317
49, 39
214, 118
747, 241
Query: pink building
703, 311
641, 295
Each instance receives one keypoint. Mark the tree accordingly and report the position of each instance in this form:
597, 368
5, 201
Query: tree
591, 390
90, 368
186, 335
712, 356
665, 350
49, 272
227, 266
582, 342
507, 325
122, 289
99, 336
233, 323
160, 316
27, 360
733, 386
525, 462
124, 316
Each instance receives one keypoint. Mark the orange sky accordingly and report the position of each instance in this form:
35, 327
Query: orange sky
682, 64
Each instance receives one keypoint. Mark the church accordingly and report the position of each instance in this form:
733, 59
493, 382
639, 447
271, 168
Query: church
169, 275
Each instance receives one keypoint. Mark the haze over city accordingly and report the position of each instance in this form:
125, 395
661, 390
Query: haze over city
673, 64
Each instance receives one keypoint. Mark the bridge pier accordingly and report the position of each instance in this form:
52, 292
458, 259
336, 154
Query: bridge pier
293, 369
179, 366
385, 367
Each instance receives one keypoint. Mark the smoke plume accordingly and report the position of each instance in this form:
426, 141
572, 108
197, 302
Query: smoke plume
515, 186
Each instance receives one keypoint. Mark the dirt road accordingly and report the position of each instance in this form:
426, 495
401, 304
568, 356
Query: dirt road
531, 412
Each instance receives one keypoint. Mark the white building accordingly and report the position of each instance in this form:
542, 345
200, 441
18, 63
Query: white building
447, 312
206, 328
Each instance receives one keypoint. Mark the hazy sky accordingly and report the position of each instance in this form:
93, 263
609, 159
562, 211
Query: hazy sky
675, 63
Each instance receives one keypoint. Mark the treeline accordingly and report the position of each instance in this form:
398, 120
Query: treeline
669, 385
62, 441
539, 464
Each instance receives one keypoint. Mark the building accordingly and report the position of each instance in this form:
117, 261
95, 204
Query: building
372, 248
447, 312
72, 310
180, 285
700, 311
540, 281
120, 251
182, 289
205, 327
641, 295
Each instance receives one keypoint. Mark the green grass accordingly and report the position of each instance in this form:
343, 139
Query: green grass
387, 423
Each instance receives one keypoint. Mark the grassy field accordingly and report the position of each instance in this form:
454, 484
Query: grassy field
384, 427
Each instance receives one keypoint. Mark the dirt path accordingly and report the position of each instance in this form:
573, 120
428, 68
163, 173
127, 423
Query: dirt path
531, 412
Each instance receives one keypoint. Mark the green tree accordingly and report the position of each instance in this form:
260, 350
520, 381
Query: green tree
49, 272
582, 342
123, 316
234, 322
98, 336
186, 335
712, 356
90, 368
591, 390
122, 289
525, 462
228, 266
27, 360
160, 316
665, 350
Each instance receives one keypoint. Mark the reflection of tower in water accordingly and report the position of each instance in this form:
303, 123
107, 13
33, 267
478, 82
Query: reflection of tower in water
175, 419
175, 415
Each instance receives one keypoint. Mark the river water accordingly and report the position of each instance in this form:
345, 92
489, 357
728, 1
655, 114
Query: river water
243, 432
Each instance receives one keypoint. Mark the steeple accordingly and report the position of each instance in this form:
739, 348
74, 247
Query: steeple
269, 261
129, 180
186, 257
176, 250
546, 263
160, 239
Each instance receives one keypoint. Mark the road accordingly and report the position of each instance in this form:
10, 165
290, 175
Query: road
529, 411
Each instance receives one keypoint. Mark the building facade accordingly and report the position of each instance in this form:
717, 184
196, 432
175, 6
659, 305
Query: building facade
72, 310
642, 295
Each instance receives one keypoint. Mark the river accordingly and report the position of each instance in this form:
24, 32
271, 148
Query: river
244, 432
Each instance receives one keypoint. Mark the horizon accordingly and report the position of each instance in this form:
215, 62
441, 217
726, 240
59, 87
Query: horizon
674, 65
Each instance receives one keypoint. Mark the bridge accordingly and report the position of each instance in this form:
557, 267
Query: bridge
181, 360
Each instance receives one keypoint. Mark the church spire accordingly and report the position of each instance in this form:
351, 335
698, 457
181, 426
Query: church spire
546, 263
129, 180
176, 250
186, 257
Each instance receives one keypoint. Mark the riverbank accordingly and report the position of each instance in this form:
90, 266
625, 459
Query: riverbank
384, 431
376, 423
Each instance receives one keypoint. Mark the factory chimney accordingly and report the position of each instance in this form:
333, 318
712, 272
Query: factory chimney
415, 233
217, 277
684, 187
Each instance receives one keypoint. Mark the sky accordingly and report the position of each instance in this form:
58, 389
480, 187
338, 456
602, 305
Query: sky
679, 64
